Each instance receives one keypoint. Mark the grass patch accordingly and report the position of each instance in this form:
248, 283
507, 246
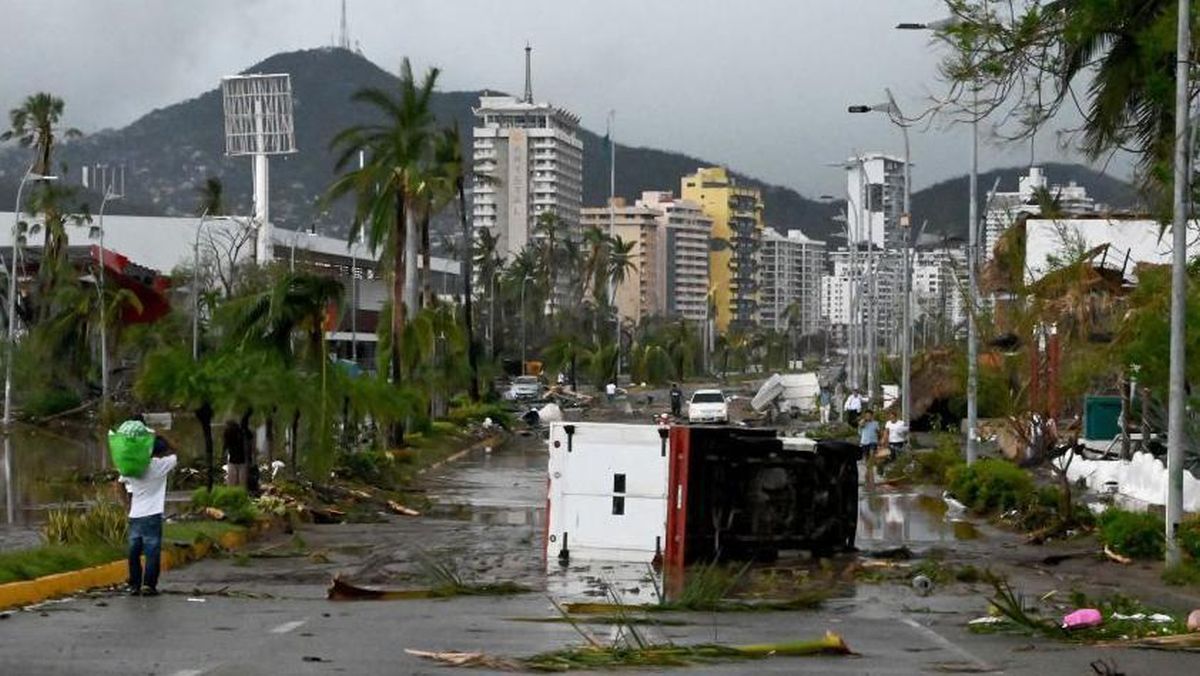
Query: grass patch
234, 501
1025, 617
29, 564
990, 486
472, 414
1186, 574
832, 430
192, 532
1139, 535
102, 523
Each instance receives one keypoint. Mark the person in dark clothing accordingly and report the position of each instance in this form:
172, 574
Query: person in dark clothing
234, 443
676, 400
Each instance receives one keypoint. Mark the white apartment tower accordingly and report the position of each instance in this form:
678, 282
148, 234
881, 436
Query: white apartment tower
528, 160
1003, 208
790, 270
875, 199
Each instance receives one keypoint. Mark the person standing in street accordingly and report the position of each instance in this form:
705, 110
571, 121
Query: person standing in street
676, 400
823, 405
895, 435
147, 500
868, 434
853, 407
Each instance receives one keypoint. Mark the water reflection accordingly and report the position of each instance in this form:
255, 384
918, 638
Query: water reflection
909, 517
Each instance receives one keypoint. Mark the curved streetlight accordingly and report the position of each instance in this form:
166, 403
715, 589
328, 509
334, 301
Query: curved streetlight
12, 294
892, 110
109, 195
972, 254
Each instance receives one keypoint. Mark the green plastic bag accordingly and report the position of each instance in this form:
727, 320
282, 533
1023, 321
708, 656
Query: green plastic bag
130, 447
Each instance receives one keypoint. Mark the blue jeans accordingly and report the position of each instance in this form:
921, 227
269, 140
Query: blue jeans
145, 537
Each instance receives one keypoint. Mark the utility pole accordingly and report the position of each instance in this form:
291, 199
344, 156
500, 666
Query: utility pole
972, 288
1176, 410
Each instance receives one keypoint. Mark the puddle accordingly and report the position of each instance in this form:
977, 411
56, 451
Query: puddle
900, 518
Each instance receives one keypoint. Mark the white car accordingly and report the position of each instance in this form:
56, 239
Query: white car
525, 387
708, 406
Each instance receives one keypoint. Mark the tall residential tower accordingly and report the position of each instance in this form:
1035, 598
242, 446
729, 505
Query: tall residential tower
528, 160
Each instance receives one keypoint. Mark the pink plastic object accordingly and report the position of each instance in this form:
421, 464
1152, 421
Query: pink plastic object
1193, 621
1083, 618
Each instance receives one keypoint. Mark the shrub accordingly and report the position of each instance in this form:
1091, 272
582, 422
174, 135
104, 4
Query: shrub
991, 485
104, 523
234, 501
1137, 534
1189, 537
369, 467
931, 466
469, 414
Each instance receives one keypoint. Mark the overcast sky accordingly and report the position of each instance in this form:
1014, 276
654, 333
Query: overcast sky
762, 85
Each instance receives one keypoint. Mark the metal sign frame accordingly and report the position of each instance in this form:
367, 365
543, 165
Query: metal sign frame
258, 114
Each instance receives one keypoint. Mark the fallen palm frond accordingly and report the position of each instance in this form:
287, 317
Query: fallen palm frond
342, 590
654, 655
806, 600
1185, 642
605, 619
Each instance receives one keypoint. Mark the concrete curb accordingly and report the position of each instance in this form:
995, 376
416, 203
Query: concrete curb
26, 592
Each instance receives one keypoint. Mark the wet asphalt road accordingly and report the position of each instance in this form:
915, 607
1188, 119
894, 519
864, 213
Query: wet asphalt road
268, 614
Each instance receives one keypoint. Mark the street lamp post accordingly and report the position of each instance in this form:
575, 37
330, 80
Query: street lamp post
12, 295
893, 112
524, 334
109, 195
196, 288
972, 246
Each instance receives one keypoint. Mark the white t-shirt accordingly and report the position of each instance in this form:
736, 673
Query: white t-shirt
149, 491
897, 432
610, 389
853, 403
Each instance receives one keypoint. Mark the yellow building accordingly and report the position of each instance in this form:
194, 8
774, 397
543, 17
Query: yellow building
737, 227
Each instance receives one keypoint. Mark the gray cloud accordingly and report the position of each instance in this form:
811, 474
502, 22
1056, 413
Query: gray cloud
761, 84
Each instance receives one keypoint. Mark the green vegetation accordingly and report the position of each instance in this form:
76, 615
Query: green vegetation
931, 466
29, 564
191, 532
233, 501
447, 582
990, 486
103, 523
1136, 534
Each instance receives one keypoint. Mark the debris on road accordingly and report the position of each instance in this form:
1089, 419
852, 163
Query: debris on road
1082, 619
1193, 621
401, 509
1115, 557
596, 656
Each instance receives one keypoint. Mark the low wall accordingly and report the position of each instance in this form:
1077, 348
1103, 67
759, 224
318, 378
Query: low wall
1143, 478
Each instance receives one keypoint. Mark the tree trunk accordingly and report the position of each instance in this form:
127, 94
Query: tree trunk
426, 264
399, 292
204, 415
294, 446
468, 318
412, 241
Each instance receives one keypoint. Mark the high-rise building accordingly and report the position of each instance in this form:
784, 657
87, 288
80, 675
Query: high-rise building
528, 160
790, 272
639, 295
1003, 208
875, 295
683, 232
737, 226
875, 199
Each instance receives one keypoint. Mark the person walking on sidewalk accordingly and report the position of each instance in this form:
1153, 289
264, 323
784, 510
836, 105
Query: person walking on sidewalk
147, 500
234, 441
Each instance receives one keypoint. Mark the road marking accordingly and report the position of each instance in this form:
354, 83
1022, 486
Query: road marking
189, 672
948, 644
288, 626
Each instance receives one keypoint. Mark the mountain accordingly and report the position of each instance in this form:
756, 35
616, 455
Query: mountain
169, 152
945, 204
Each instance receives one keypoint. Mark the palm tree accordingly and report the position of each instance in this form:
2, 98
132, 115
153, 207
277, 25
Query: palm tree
298, 302
211, 197
545, 232
388, 186
32, 124
452, 168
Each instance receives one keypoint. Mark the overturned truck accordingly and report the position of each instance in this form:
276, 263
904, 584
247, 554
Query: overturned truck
682, 494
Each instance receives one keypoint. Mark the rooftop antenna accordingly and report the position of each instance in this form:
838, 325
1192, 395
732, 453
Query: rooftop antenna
528, 74
344, 33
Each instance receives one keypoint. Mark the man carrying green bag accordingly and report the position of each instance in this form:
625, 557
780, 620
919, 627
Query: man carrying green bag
147, 489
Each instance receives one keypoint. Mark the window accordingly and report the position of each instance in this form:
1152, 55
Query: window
618, 505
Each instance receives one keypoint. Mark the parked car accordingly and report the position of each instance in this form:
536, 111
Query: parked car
708, 406
525, 387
